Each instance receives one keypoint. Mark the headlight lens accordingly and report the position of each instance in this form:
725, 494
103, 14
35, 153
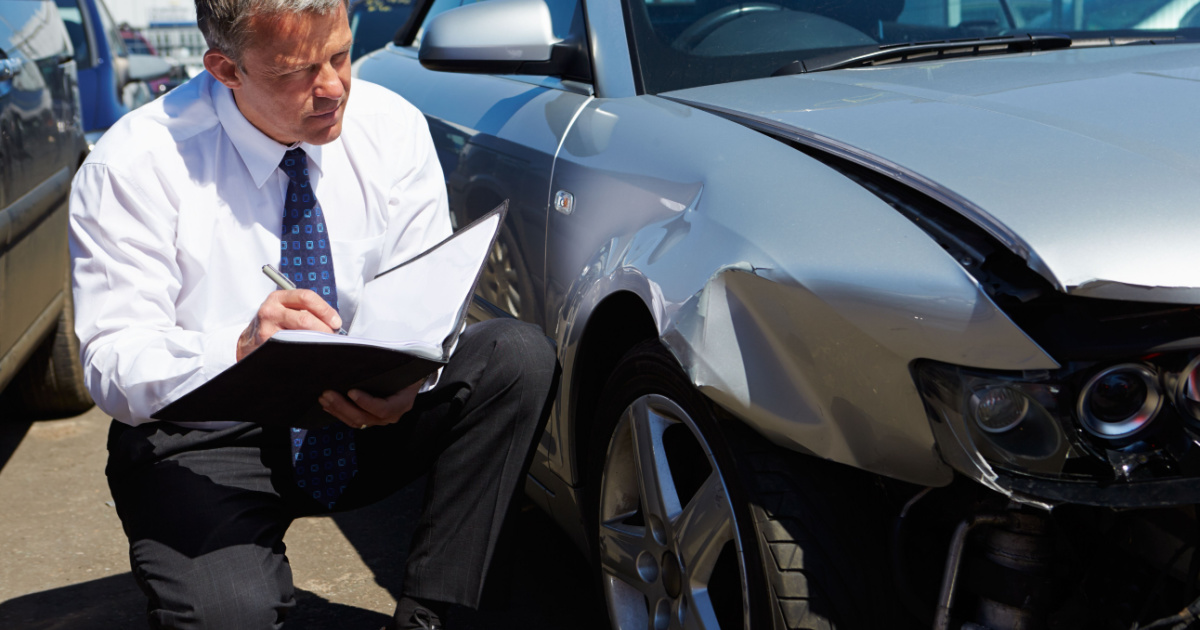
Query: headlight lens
1119, 401
999, 409
1110, 422
1187, 391
1006, 421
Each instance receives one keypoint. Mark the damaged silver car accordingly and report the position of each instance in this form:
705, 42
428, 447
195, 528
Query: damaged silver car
871, 313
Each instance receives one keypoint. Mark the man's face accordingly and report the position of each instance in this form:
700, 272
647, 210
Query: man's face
294, 78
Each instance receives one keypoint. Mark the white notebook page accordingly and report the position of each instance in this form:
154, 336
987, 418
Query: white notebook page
420, 300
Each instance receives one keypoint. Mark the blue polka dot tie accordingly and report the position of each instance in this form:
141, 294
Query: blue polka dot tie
324, 458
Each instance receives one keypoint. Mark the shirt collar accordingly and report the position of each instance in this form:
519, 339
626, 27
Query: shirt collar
259, 153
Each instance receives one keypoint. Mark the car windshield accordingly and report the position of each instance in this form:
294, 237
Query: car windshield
73, 20
687, 43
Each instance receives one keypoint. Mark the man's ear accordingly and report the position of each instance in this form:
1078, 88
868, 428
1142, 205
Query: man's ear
222, 68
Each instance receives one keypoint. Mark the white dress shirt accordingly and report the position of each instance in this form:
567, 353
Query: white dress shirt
181, 204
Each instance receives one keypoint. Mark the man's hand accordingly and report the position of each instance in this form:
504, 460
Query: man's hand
297, 309
362, 410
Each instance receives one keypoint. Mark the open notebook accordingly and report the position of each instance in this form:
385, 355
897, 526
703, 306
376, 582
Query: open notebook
406, 325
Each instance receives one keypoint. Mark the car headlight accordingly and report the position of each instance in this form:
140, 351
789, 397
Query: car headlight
1099, 421
1010, 420
1119, 401
1187, 391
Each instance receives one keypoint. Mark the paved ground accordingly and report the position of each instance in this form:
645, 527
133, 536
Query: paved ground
63, 560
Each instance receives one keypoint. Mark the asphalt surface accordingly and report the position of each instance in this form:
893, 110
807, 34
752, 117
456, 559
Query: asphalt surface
63, 561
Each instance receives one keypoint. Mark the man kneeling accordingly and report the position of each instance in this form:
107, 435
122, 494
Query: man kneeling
264, 159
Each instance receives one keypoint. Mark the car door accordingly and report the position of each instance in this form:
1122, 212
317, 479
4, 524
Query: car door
38, 153
496, 138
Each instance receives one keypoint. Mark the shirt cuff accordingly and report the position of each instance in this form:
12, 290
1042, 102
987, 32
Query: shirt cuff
220, 350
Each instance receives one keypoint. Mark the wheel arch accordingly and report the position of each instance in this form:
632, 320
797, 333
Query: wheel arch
618, 323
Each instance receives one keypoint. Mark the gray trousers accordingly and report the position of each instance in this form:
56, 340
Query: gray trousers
206, 511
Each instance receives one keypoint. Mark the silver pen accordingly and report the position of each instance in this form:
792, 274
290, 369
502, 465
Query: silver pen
285, 284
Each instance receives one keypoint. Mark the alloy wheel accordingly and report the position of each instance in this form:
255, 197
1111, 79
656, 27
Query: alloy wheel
499, 281
668, 535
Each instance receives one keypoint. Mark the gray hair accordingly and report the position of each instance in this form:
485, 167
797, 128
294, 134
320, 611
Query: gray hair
226, 23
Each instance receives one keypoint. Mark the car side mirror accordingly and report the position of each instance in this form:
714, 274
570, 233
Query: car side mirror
496, 37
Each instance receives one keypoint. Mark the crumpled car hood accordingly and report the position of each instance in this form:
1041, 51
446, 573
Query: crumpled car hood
1085, 162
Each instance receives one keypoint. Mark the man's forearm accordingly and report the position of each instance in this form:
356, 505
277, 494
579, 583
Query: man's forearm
133, 372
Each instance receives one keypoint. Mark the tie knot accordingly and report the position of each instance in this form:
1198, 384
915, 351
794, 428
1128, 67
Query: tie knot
295, 164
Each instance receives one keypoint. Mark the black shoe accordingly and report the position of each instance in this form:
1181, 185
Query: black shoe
421, 619
417, 615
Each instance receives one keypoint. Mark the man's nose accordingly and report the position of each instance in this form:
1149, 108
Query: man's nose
329, 84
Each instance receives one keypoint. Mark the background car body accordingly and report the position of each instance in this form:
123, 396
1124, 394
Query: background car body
137, 44
112, 81
820, 252
41, 144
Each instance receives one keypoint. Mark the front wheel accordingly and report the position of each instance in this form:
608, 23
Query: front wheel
698, 523
51, 384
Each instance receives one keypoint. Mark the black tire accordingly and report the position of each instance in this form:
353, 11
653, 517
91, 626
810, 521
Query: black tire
50, 385
813, 557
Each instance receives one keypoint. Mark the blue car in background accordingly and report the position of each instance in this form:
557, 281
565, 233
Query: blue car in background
112, 80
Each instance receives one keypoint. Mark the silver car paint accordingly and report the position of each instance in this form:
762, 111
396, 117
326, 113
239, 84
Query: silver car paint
515, 125
611, 65
791, 296
1071, 132
507, 29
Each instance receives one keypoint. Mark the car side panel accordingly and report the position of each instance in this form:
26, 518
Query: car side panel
791, 296
496, 138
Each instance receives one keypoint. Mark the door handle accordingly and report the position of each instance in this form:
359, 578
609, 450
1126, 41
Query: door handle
9, 68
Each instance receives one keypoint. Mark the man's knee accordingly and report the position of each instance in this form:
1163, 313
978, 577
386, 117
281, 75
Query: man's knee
524, 344
526, 356
243, 587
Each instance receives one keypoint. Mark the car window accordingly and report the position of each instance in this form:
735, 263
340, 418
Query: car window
73, 20
34, 97
32, 30
562, 14
374, 23
14, 15
680, 44
113, 34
